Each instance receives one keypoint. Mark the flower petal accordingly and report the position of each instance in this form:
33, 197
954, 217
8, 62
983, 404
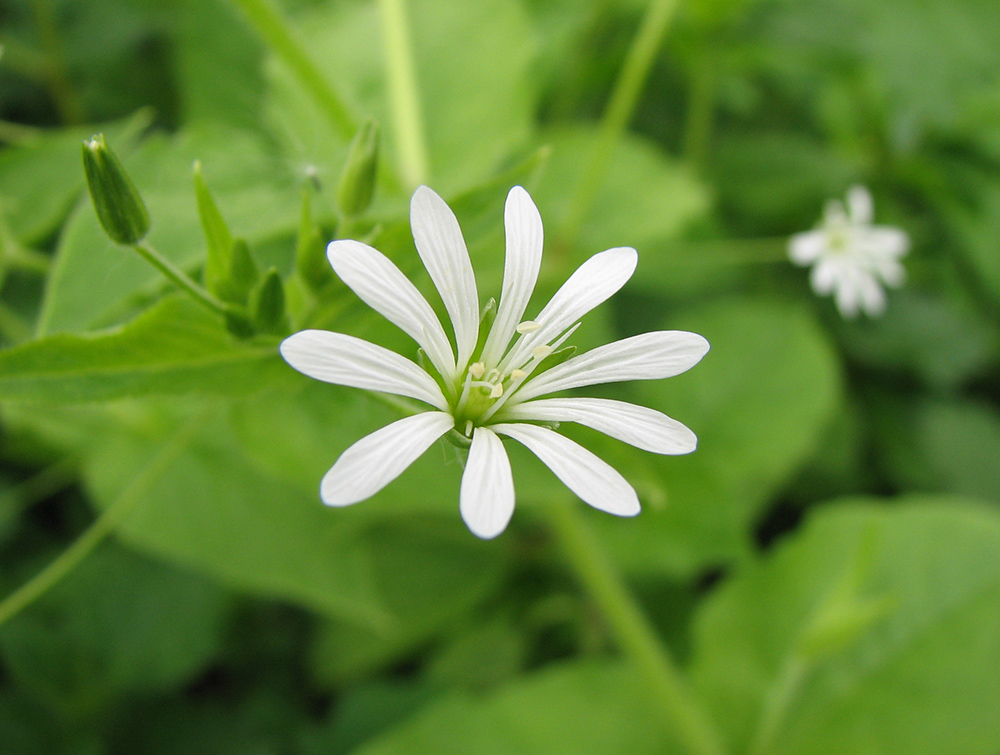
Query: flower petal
806, 248
591, 478
648, 356
884, 241
346, 360
523, 227
638, 426
381, 285
378, 459
487, 497
441, 247
592, 283
860, 207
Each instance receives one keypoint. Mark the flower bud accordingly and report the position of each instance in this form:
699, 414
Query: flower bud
119, 207
267, 304
357, 182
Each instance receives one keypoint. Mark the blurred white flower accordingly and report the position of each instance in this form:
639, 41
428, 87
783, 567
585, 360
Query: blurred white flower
492, 388
851, 257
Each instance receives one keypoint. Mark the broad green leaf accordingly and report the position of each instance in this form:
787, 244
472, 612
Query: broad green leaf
759, 403
118, 624
584, 708
256, 195
175, 347
921, 678
39, 182
477, 101
645, 199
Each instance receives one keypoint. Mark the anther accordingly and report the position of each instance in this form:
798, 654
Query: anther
497, 391
517, 374
540, 352
528, 326
477, 370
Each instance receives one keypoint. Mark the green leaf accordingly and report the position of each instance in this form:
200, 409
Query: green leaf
759, 403
586, 708
476, 112
175, 347
918, 679
118, 624
39, 183
253, 191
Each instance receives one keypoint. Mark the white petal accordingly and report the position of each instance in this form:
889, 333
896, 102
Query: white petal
806, 248
639, 426
441, 247
487, 497
846, 294
885, 241
381, 285
871, 295
648, 356
592, 283
860, 207
591, 478
346, 360
826, 276
523, 228
378, 459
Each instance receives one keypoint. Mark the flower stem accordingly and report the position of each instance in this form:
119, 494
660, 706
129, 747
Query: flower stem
619, 110
267, 20
180, 278
633, 633
112, 516
404, 95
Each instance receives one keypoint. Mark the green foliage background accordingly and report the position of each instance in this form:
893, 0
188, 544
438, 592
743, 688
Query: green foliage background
826, 566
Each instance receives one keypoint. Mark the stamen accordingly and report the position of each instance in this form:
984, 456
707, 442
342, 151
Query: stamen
497, 391
468, 427
540, 352
528, 326
477, 370
517, 374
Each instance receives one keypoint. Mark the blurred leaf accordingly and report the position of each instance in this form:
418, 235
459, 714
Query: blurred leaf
175, 347
39, 183
477, 100
582, 708
646, 197
118, 624
920, 680
759, 402
255, 194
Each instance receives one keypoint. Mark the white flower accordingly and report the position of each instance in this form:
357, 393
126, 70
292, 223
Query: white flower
851, 257
484, 390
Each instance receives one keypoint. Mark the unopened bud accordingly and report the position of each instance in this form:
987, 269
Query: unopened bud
357, 182
267, 304
119, 207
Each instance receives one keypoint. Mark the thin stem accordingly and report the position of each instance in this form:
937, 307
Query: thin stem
635, 636
112, 516
269, 23
404, 94
180, 278
777, 704
698, 118
619, 110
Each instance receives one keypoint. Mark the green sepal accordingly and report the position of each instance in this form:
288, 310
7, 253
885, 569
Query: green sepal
267, 305
117, 202
486, 317
457, 439
243, 273
357, 180
217, 236
238, 323
310, 250
553, 359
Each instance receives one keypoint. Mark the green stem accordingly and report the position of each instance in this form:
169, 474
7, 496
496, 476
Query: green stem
112, 516
634, 635
777, 704
619, 110
276, 32
698, 118
180, 278
404, 94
